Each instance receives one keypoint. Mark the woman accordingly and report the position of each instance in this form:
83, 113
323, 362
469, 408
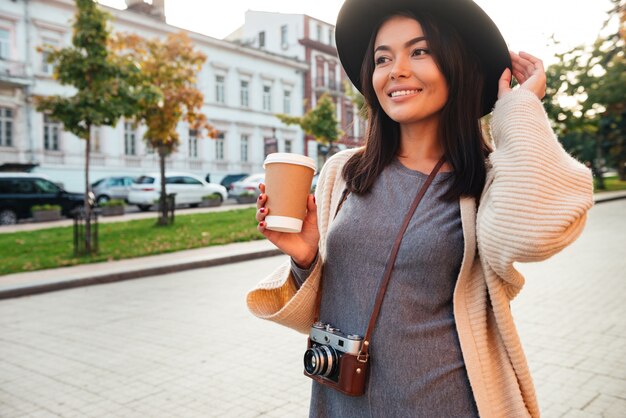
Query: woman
444, 343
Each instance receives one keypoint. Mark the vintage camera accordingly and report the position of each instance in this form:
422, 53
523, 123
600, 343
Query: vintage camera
333, 359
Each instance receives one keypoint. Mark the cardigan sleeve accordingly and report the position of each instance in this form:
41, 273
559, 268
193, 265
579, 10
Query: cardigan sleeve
536, 198
281, 297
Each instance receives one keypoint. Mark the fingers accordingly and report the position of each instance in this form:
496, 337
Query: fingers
311, 210
537, 63
260, 202
504, 84
262, 211
529, 72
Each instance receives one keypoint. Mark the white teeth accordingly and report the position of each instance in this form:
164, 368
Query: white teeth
403, 92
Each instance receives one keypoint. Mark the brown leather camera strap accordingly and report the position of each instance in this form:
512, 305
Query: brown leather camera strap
363, 354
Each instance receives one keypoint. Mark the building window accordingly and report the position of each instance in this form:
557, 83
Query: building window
51, 131
244, 94
319, 73
4, 43
193, 143
319, 33
6, 127
219, 89
46, 67
332, 82
262, 39
267, 98
331, 37
130, 139
283, 37
349, 119
219, 147
287, 145
287, 102
244, 148
94, 142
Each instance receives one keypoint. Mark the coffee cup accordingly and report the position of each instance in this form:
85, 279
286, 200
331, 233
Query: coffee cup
288, 180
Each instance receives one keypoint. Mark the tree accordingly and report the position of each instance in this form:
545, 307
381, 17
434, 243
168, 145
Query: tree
104, 86
320, 122
356, 98
592, 78
170, 66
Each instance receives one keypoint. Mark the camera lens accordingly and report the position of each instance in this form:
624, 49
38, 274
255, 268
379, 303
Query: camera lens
321, 360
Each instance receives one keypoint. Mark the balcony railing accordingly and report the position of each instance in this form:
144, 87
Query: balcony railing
13, 72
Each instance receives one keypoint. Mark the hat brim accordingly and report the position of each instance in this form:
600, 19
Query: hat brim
358, 19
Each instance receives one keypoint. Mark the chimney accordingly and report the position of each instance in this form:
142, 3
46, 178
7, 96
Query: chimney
158, 9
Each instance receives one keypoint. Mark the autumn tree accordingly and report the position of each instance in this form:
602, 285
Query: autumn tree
592, 80
104, 89
356, 98
170, 66
319, 122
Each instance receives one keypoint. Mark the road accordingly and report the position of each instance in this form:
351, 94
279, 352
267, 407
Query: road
185, 345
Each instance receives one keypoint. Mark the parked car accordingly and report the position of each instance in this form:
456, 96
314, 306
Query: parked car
115, 187
19, 192
249, 184
229, 179
314, 182
189, 189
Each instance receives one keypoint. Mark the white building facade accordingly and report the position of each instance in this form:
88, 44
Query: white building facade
313, 41
243, 89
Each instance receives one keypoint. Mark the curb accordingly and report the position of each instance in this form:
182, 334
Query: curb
610, 199
133, 274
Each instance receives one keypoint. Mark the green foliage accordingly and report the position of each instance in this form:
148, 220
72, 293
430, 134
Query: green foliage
213, 196
320, 122
611, 184
37, 208
593, 79
105, 88
51, 248
356, 98
112, 203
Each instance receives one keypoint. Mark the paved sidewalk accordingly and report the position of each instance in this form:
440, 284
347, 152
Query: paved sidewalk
185, 345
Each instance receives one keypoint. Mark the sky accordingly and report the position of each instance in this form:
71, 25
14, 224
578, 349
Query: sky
526, 25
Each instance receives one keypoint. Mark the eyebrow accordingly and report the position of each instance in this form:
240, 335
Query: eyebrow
406, 44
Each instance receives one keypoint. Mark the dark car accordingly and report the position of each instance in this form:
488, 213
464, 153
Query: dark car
231, 178
19, 192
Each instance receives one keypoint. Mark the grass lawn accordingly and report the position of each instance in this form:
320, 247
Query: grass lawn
49, 248
612, 184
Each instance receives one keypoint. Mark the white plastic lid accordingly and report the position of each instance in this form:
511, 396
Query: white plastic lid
286, 157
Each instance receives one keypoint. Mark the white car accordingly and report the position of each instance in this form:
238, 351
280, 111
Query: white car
249, 184
189, 189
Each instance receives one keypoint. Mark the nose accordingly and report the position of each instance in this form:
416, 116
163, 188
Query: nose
401, 68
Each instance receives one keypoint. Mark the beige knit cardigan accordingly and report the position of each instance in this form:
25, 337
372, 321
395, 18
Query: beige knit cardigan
533, 205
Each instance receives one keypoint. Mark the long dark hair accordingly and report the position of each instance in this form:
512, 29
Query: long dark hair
459, 128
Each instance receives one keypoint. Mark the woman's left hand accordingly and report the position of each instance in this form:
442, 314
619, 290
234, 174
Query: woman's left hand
529, 72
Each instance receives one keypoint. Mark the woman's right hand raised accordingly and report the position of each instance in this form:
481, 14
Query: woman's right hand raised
303, 246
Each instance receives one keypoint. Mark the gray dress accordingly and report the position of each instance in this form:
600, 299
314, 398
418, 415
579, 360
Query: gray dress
417, 368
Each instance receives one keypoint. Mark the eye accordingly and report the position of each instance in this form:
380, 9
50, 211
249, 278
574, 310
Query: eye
381, 60
420, 51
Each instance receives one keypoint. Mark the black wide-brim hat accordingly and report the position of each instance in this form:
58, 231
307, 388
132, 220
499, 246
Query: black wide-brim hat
358, 19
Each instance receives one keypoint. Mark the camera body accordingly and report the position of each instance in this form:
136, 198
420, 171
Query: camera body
332, 359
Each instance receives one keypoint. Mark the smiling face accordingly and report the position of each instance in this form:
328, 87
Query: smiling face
407, 81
